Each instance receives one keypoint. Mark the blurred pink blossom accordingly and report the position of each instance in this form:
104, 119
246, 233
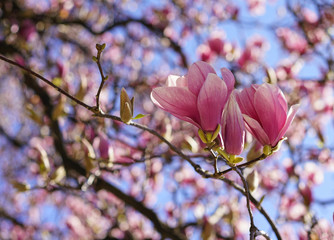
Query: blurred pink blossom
292, 208
27, 30
204, 52
306, 192
253, 53
292, 41
216, 42
264, 109
257, 7
272, 178
311, 173
102, 143
310, 16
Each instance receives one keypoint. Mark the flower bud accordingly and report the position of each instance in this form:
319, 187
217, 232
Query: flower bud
267, 150
126, 107
253, 180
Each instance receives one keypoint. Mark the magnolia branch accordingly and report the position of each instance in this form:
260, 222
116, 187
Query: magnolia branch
252, 228
5, 215
47, 82
98, 182
159, 32
99, 49
257, 205
197, 168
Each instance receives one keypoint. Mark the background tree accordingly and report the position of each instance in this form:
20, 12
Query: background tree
72, 170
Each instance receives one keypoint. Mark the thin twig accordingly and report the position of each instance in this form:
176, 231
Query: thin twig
253, 228
103, 78
262, 233
263, 156
256, 203
153, 132
47, 82
197, 168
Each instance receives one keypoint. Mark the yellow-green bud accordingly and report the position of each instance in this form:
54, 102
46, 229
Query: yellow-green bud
216, 132
267, 150
201, 135
209, 137
238, 159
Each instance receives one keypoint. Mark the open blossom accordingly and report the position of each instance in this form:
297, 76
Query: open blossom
264, 109
198, 97
233, 127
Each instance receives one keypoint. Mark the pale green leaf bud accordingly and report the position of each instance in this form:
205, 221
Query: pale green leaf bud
216, 132
201, 135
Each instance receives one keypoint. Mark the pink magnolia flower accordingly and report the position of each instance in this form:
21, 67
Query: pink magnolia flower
198, 97
233, 127
264, 109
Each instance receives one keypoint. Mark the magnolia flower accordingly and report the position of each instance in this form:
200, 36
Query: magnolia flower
264, 110
233, 127
198, 97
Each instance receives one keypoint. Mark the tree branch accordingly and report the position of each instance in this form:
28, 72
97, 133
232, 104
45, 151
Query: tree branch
100, 183
5, 215
47, 82
197, 168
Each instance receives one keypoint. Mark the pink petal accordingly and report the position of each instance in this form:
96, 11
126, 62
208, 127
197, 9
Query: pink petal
245, 100
270, 112
291, 115
256, 130
228, 79
197, 74
211, 101
282, 100
177, 81
178, 101
233, 127
188, 119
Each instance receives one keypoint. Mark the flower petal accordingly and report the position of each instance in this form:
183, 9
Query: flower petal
233, 127
256, 130
228, 78
271, 114
178, 101
245, 100
197, 74
282, 100
211, 101
177, 81
291, 115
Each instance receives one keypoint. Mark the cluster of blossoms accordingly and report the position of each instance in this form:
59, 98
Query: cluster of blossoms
223, 113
